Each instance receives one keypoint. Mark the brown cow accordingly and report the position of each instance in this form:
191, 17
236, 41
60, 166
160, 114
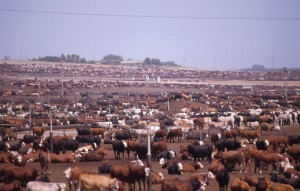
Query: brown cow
98, 131
39, 131
239, 185
233, 157
63, 158
23, 174
250, 134
182, 185
14, 186
174, 134
267, 127
158, 147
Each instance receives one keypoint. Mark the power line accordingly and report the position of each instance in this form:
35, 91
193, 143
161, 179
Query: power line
151, 16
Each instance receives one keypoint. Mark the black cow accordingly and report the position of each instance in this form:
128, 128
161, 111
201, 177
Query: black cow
222, 177
29, 138
174, 166
83, 131
294, 182
71, 145
4, 146
104, 168
294, 139
200, 151
166, 155
214, 137
89, 139
118, 148
262, 145
228, 144
141, 151
261, 184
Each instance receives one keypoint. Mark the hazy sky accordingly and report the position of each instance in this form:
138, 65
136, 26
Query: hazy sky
210, 34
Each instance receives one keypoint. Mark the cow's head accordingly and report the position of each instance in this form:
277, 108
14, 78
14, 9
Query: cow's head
180, 167
67, 172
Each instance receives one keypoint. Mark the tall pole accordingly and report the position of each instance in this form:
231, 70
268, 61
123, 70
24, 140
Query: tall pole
149, 158
29, 116
51, 132
285, 83
62, 76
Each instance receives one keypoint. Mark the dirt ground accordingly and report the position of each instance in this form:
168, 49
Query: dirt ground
58, 176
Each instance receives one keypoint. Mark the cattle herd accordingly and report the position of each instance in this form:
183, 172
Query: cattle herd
92, 129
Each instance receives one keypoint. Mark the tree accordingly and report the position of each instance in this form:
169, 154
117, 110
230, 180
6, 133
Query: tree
257, 67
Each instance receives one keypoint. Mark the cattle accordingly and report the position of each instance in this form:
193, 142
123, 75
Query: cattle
294, 182
251, 180
272, 186
156, 177
23, 174
250, 134
232, 158
191, 167
29, 138
90, 157
83, 131
262, 184
89, 139
158, 147
104, 168
265, 157
89, 182
267, 127
180, 185
173, 166
239, 185
214, 137
200, 151
262, 145
131, 147
233, 133
136, 174
215, 166
118, 148
71, 145
14, 186
72, 175
43, 178
174, 134
294, 152
45, 160
38, 186
141, 150
4, 146
293, 139
160, 134
121, 172
39, 131
63, 158
223, 178
101, 151
227, 144
168, 154
266, 119
98, 131
204, 177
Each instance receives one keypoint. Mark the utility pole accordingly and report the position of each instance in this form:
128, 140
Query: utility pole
62, 76
51, 130
285, 83
26, 101
149, 158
